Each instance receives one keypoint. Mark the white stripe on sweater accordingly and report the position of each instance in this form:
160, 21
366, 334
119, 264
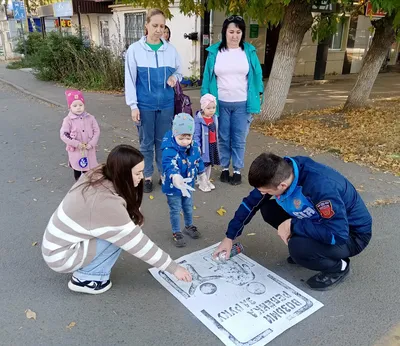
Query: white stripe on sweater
123, 231
132, 243
156, 257
166, 264
145, 249
56, 257
85, 251
69, 222
68, 264
52, 229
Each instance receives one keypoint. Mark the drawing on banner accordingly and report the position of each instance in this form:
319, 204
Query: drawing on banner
240, 301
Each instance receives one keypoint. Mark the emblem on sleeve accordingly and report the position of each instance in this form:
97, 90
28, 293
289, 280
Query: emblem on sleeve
325, 209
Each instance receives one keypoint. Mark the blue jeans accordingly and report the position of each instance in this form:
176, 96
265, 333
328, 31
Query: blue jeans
234, 124
100, 267
152, 127
176, 204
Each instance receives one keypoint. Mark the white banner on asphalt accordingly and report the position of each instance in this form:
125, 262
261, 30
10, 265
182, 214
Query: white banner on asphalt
240, 301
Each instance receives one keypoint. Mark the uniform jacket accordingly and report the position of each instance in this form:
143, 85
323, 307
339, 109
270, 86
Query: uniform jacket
254, 78
77, 129
323, 204
201, 135
179, 160
146, 75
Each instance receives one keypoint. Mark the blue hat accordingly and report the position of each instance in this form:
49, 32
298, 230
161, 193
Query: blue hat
183, 124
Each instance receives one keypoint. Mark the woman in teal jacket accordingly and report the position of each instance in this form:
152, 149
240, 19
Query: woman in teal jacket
233, 75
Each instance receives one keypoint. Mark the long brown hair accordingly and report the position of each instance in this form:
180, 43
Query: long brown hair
118, 170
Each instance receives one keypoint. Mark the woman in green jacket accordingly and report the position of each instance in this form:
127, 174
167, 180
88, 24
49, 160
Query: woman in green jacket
233, 75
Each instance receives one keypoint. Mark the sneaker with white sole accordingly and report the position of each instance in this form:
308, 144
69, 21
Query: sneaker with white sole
211, 185
90, 287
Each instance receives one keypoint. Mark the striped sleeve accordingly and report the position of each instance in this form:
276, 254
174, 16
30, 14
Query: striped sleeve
131, 238
65, 244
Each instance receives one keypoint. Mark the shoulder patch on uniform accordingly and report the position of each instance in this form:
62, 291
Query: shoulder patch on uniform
325, 209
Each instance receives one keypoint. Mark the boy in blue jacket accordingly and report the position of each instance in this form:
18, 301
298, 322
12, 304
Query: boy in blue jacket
181, 163
318, 213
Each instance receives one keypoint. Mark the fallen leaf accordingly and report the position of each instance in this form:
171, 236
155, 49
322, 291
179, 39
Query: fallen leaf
35, 200
38, 179
355, 136
11, 181
71, 325
34, 243
221, 211
250, 234
30, 314
107, 150
151, 197
194, 207
196, 217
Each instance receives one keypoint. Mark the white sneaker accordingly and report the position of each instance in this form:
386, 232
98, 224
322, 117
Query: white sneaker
204, 187
211, 185
90, 287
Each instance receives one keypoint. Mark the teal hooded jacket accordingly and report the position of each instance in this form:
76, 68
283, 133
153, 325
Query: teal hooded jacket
254, 78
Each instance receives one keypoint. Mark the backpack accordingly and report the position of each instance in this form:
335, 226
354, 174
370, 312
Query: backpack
182, 101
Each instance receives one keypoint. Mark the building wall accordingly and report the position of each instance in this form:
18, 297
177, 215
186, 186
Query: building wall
361, 43
90, 25
179, 25
305, 63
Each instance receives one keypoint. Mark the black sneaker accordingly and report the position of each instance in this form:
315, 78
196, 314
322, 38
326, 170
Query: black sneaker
236, 179
179, 239
225, 176
290, 260
160, 182
91, 287
148, 186
325, 281
192, 232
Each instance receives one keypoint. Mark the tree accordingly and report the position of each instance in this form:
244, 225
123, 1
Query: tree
296, 22
386, 30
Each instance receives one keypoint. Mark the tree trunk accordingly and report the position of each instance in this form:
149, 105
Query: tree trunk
383, 38
296, 21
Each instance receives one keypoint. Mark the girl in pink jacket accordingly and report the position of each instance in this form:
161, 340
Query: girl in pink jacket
80, 132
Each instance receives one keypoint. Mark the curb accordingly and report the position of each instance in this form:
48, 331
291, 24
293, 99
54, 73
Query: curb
44, 99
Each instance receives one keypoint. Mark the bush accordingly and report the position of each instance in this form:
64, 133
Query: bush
65, 59
33, 42
23, 63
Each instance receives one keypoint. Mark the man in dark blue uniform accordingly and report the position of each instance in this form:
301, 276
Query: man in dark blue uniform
318, 213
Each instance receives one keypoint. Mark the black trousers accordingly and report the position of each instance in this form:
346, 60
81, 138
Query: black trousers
310, 253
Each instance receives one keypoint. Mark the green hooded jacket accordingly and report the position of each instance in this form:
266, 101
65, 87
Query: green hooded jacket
254, 78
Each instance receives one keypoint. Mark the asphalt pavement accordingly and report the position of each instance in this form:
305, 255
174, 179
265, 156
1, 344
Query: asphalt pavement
137, 310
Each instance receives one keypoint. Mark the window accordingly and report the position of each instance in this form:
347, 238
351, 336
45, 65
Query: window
134, 27
338, 36
105, 33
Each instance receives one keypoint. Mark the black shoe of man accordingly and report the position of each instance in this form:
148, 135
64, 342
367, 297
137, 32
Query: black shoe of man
326, 281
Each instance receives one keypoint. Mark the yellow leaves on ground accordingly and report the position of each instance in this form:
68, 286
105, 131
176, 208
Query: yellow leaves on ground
30, 314
368, 136
221, 211
151, 197
71, 325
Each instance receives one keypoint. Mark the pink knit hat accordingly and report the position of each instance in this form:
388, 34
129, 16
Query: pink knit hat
73, 95
206, 100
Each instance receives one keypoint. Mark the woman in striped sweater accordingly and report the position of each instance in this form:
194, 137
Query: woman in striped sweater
98, 218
